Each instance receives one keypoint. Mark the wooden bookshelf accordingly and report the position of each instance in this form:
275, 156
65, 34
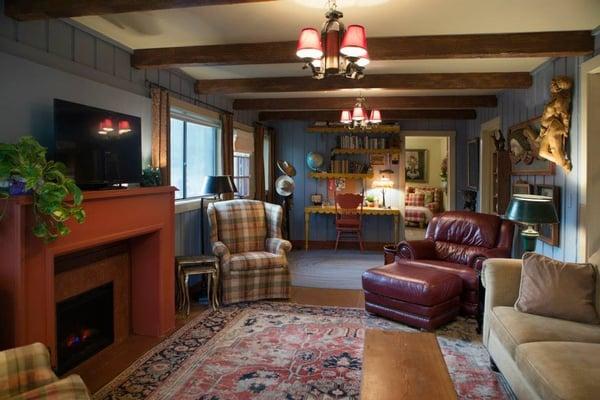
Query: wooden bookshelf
375, 130
365, 151
338, 175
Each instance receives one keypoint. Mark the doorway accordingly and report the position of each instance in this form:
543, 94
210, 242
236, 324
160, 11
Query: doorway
486, 175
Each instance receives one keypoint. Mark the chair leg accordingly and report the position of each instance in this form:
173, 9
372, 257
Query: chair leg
360, 241
337, 240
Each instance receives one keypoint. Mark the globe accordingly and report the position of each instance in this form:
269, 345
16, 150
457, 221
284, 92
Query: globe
314, 160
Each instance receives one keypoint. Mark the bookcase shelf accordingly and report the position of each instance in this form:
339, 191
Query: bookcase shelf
365, 151
339, 175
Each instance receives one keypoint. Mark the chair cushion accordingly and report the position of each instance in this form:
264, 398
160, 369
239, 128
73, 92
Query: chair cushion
242, 225
347, 222
467, 274
255, 260
514, 328
561, 370
467, 228
415, 199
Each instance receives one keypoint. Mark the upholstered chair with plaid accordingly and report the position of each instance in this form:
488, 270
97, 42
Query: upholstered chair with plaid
246, 237
25, 373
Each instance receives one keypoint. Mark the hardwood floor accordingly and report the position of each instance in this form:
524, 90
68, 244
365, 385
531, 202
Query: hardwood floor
103, 368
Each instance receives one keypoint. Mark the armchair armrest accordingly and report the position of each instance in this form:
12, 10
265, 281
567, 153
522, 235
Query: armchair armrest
416, 249
220, 250
277, 245
23, 369
476, 260
69, 388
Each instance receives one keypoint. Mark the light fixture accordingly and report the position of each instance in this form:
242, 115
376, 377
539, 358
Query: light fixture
359, 118
336, 51
384, 183
124, 127
531, 210
106, 125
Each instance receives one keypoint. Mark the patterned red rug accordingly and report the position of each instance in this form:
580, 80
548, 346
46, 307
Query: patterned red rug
285, 351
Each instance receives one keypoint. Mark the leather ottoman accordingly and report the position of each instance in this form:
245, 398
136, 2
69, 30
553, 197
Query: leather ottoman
416, 296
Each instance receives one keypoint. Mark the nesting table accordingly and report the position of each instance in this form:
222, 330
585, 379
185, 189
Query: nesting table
187, 266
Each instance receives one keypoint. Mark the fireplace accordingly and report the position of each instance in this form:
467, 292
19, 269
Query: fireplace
84, 326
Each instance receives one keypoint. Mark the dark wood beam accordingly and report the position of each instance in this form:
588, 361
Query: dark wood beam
533, 44
388, 115
489, 80
383, 103
27, 10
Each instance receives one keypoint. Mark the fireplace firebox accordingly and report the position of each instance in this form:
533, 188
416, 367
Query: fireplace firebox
84, 326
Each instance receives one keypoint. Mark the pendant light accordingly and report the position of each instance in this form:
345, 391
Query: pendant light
359, 118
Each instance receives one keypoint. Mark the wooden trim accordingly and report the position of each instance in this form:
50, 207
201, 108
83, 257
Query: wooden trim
495, 45
473, 80
388, 115
27, 10
381, 129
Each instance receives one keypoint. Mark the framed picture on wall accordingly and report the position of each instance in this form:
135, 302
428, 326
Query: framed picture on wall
416, 166
473, 164
550, 233
521, 187
523, 149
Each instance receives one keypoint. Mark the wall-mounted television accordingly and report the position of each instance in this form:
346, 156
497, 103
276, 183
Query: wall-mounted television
99, 147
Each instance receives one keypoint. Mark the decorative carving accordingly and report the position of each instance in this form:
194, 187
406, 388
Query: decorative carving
522, 144
555, 123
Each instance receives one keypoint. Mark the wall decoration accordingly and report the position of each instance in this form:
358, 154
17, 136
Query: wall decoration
521, 187
550, 233
523, 149
416, 166
499, 141
555, 123
377, 159
473, 164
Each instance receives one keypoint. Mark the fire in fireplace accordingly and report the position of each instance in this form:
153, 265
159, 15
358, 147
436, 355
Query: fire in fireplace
84, 326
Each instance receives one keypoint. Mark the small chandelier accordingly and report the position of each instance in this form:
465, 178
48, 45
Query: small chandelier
345, 50
359, 117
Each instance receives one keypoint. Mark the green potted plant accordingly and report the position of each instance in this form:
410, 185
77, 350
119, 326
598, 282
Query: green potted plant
56, 198
370, 200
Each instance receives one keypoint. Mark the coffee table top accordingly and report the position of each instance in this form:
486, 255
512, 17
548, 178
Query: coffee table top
402, 365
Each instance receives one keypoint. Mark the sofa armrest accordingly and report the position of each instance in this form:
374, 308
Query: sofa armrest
23, 369
501, 278
476, 260
416, 249
277, 245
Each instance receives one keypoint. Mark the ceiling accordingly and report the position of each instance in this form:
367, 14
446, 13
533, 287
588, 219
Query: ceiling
282, 20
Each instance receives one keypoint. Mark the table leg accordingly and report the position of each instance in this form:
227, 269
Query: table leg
209, 292
306, 229
182, 289
186, 293
216, 289
396, 228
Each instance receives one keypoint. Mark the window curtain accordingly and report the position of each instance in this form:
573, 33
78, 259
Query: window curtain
271, 166
227, 143
161, 126
259, 162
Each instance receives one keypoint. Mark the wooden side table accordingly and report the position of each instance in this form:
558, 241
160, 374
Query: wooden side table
187, 266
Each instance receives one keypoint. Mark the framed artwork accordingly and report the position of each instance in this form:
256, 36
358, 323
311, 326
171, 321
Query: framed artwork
473, 164
377, 159
416, 166
523, 149
550, 233
521, 187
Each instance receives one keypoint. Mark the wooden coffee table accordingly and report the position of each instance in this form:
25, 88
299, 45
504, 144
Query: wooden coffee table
402, 365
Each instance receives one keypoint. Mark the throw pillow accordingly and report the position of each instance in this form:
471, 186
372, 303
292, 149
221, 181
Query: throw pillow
415, 200
555, 289
428, 195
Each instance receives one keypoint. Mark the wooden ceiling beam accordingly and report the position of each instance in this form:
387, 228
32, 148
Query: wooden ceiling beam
388, 115
488, 80
383, 103
28, 10
495, 45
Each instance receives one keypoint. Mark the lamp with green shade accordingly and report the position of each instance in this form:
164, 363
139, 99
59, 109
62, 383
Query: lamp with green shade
531, 210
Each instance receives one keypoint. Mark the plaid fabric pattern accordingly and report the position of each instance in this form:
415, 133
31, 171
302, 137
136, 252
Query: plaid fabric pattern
437, 205
416, 216
249, 270
415, 199
25, 373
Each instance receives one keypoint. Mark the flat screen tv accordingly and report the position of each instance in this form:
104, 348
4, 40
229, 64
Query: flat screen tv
99, 147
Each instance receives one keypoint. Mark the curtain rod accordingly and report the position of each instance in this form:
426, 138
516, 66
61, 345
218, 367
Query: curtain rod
193, 100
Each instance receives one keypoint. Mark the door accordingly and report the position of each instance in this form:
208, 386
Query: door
486, 174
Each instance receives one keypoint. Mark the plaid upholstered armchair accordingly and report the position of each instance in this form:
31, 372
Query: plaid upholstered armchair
25, 373
246, 236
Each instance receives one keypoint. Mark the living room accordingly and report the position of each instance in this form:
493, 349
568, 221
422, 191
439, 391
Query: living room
374, 200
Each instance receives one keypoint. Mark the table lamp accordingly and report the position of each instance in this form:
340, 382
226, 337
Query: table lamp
384, 183
217, 186
531, 210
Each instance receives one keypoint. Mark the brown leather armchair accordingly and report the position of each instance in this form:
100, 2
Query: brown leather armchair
458, 242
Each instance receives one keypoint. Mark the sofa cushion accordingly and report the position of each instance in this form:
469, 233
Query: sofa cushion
467, 274
514, 328
557, 289
415, 199
561, 370
256, 260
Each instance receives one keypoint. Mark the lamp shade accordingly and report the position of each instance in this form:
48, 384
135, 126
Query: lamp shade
532, 209
363, 61
354, 43
309, 44
358, 113
383, 183
124, 127
219, 185
375, 116
107, 125
346, 117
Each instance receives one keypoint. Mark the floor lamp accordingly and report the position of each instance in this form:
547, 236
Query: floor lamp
215, 186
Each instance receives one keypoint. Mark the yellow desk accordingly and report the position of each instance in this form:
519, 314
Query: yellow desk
308, 211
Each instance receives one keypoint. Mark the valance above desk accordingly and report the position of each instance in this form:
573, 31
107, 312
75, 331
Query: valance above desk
393, 212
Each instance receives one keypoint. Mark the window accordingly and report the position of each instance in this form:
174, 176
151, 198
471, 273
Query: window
193, 155
241, 173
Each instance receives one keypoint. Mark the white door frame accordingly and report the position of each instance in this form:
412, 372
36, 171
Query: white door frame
487, 148
589, 141
451, 135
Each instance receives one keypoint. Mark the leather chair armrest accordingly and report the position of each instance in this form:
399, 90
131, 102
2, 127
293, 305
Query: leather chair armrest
416, 249
276, 245
476, 260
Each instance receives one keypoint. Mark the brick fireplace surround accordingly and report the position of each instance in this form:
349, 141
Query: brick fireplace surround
143, 217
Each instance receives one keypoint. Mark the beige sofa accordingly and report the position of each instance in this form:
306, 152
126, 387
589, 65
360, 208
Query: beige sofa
542, 358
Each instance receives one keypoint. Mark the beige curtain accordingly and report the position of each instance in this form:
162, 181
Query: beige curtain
271, 166
259, 162
227, 143
161, 126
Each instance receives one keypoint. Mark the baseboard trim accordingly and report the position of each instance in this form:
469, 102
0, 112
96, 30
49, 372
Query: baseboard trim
330, 245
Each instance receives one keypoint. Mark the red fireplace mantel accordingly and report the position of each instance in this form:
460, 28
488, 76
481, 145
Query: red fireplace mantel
144, 216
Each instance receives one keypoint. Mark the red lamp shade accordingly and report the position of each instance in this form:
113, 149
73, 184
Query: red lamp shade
375, 116
309, 44
124, 127
106, 125
358, 114
346, 118
354, 43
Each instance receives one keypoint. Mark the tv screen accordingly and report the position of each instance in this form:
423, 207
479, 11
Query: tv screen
99, 147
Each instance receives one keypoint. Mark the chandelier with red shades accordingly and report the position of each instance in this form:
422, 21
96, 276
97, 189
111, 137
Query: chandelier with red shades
336, 50
359, 117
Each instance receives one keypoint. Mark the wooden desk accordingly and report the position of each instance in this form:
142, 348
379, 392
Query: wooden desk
404, 366
382, 212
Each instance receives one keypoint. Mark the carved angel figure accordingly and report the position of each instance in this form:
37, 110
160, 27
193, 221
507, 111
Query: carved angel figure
555, 123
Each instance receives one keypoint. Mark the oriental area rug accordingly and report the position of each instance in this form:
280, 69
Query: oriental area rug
286, 351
